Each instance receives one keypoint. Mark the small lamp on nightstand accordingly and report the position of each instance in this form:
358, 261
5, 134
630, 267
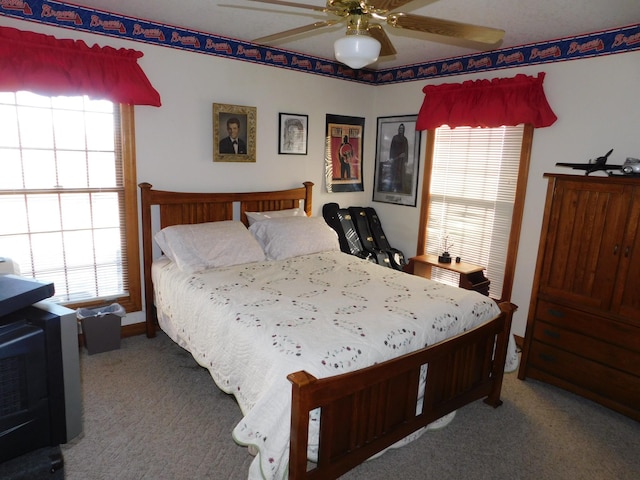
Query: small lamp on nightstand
445, 257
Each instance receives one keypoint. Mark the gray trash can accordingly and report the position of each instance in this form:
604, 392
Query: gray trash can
101, 327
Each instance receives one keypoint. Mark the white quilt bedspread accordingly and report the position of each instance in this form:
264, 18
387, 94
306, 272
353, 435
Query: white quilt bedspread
329, 313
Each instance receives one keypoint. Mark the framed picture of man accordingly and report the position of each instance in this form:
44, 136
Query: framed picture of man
293, 134
234, 133
343, 153
397, 160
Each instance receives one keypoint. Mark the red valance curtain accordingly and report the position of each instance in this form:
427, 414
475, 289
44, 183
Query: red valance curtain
49, 66
486, 103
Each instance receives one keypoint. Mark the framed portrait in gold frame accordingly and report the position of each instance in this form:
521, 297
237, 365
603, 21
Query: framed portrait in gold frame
234, 133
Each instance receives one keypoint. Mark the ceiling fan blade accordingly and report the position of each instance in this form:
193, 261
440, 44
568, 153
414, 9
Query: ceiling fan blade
295, 31
292, 4
446, 28
377, 32
387, 5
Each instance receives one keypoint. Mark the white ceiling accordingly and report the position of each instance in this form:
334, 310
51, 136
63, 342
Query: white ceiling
525, 21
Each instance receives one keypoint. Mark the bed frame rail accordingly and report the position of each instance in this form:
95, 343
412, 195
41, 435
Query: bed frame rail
366, 411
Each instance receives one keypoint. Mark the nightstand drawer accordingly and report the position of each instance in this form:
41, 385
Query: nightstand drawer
577, 373
586, 346
597, 327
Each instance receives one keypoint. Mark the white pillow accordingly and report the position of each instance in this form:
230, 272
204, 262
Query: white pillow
200, 246
260, 216
287, 237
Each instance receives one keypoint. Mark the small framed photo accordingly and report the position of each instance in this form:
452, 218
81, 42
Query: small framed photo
343, 153
293, 134
397, 160
234, 133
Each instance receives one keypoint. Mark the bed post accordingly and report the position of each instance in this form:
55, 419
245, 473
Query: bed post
147, 247
298, 443
308, 188
502, 341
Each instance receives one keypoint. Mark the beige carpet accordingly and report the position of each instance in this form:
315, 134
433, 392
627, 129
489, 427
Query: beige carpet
150, 412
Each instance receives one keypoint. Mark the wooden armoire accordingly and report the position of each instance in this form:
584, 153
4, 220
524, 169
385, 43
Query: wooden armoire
583, 328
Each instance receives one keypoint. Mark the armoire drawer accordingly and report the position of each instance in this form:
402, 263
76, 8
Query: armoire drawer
572, 370
598, 327
586, 346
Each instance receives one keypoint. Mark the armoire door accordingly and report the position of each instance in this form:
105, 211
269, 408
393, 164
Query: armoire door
626, 292
583, 245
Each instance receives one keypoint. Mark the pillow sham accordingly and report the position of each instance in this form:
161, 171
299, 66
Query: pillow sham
254, 217
287, 237
200, 246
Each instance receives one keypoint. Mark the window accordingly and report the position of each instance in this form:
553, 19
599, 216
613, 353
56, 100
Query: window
68, 196
476, 179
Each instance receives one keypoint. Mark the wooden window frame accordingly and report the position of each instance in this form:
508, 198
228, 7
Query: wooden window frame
124, 143
518, 206
133, 301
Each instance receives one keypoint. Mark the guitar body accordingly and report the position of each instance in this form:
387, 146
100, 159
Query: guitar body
340, 220
360, 233
396, 257
361, 223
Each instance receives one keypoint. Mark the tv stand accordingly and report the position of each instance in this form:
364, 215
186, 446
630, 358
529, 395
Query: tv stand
46, 462
40, 394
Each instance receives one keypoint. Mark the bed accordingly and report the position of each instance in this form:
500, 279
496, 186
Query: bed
332, 359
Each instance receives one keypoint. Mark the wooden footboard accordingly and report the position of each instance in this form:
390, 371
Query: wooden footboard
366, 411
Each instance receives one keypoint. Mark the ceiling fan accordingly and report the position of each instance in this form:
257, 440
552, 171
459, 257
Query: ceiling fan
365, 38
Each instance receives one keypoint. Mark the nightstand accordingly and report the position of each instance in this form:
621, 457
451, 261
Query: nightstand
471, 276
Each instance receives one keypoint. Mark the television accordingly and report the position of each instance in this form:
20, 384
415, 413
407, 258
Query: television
40, 396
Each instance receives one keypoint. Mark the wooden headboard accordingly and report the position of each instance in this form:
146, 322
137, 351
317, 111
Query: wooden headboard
178, 208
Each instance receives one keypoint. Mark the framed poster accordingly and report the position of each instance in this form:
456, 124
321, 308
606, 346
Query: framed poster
293, 134
397, 160
343, 153
234, 133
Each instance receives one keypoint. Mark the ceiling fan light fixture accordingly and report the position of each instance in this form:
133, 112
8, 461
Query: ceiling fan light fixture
357, 49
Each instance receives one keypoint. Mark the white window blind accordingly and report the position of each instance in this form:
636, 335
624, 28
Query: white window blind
472, 193
62, 194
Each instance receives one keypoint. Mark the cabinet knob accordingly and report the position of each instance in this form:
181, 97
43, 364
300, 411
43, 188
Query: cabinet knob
556, 313
551, 333
615, 249
626, 251
547, 358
